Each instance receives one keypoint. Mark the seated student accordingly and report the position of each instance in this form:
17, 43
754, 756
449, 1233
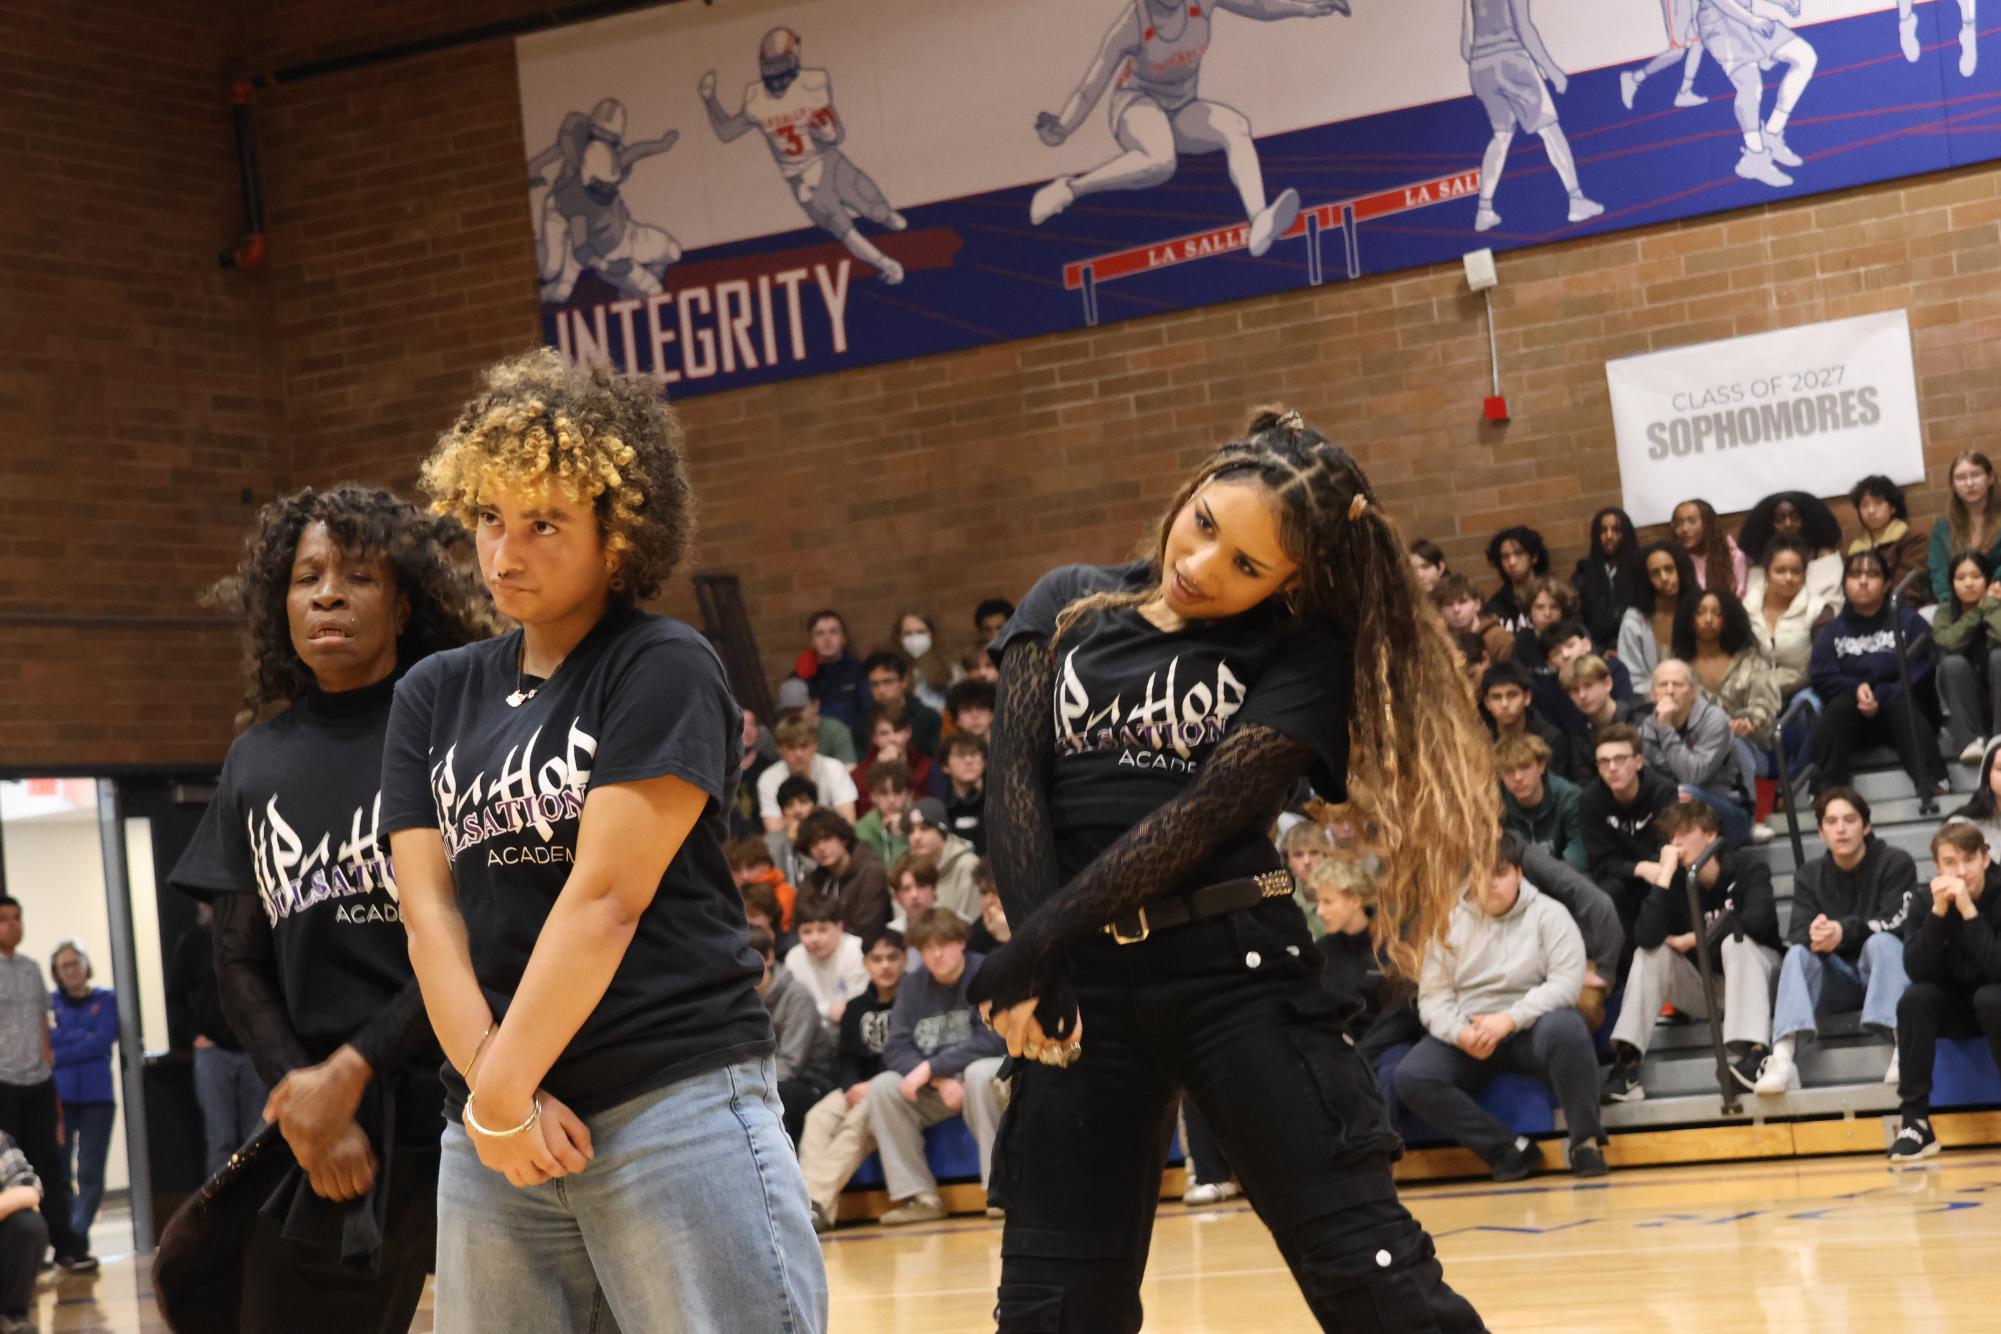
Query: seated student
1688, 739
930, 666
1458, 602
889, 802
845, 870
760, 752
1597, 919
1427, 564
1983, 805
1712, 634
1344, 889
1472, 656
889, 739
1854, 671
1518, 555
930, 832
1952, 955
990, 929
1886, 530
988, 618
1718, 561
1304, 846
1844, 944
1550, 603
797, 799
970, 706
1567, 642
1617, 811
939, 1062
889, 684
913, 881
760, 908
1538, 806
799, 748
835, 674
1971, 522
827, 959
973, 665
751, 864
1739, 928
1497, 997
965, 795
836, 738
23, 1238
805, 1048
1592, 685
1967, 630
1608, 579
1504, 699
837, 1138
1646, 635
1803, 519
1787, 614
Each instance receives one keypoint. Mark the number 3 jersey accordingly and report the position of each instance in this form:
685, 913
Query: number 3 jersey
296, 822
791, 119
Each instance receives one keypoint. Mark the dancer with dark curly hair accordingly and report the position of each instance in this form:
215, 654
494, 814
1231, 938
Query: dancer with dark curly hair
1154, 718
557, 802
338, 593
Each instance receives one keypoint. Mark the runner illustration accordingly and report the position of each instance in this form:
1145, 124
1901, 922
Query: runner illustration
1684, 49
1746, 38
1151, 59
794, 107
1969, 36
1512, 74
584, 222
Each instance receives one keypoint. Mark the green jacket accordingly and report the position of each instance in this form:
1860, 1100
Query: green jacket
1963, 634
1553, 824
889, 846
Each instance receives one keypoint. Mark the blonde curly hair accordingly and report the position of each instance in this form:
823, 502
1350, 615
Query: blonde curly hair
592, 435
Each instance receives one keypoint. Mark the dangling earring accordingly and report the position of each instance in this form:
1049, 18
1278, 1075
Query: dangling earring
1291, 600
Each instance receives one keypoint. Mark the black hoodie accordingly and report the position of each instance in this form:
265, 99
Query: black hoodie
1871, 898
1739, 903
1618, 836
1953, 950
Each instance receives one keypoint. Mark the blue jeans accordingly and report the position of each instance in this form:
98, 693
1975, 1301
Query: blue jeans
691, 1217
88, 1132
1810, 982
232, 1098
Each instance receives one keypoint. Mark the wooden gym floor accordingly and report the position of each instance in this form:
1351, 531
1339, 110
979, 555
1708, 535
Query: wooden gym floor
1821, 1245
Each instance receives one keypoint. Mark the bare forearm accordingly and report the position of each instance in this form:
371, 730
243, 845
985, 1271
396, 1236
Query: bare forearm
442, 959
16, 1198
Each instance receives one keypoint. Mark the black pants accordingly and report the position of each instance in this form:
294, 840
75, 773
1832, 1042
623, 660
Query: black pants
1437, 1081
798, 1097
1844, 729
1928, 1012
1227, 1010
28, 1113
1627, 894
23, 1238
1208, 1164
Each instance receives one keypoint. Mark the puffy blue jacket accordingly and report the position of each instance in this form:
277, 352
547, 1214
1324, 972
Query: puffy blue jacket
84, 1034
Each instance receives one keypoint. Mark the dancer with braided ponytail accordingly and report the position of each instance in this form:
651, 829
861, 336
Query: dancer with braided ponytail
1153, 720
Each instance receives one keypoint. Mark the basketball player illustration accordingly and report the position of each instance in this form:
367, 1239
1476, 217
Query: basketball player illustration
794, 107
1969, 36
1512, 73
1684, 49
1746, 38
584, 221
1151, 59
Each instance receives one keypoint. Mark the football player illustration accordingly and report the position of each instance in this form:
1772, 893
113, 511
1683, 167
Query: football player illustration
1969, 36
1512, 73
584, 223
1684, 49
1746, 38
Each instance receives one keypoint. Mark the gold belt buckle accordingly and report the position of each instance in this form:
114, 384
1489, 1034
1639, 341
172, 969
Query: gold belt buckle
1121, 938
1275, 884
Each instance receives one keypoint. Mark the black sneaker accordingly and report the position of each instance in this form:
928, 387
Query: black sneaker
1622, 1084
1587, 1160
1913, 1142
77, 1264
1519, 1161
1746, 1068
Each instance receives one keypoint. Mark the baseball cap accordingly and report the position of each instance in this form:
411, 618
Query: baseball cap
793, 695
929, 811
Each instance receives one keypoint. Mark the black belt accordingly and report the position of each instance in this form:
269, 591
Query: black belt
1210, 901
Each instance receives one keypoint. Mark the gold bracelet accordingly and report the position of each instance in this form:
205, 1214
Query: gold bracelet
472, 1122
471, 1061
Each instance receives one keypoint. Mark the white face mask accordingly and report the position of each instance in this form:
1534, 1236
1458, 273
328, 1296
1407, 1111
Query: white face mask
917, 645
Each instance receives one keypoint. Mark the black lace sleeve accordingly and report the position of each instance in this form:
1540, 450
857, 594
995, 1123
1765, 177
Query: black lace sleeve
1020, 844
246, 979
1242, 786
397, 1034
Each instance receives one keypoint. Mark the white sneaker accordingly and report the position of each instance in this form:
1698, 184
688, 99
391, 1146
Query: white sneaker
1688, 97
1975, 749
1907, 37
1629, 84
1050, 200
1761, 834
1890, 1076
1969, 50
1782, 152
1272, 223
1758, 167
1778, 1075
1486, 220
1583, 210
1211, 1193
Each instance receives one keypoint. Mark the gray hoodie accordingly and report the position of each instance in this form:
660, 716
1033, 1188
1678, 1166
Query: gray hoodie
1696, 754
1525, 963
805, 1047
957, 889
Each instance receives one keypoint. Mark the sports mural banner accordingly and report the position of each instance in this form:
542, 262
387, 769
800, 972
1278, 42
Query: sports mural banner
732, 194
1740, 418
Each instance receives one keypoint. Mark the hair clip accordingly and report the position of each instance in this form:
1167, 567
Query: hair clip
1356, 506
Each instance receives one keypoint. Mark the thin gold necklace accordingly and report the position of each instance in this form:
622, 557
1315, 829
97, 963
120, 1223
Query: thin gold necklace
520, 696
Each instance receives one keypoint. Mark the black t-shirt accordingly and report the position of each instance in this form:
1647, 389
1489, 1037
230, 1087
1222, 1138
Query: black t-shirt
1138, 709
295, 821
640, 697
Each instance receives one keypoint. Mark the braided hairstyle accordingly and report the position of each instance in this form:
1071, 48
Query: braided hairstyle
1717, 570
1421, 768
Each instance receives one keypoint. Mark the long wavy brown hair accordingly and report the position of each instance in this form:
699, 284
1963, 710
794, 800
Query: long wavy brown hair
449, 605
1966, 534
1421, 767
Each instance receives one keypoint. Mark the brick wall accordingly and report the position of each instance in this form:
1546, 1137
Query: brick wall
402, 262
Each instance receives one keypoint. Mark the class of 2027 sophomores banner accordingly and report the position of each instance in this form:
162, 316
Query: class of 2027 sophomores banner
733, 194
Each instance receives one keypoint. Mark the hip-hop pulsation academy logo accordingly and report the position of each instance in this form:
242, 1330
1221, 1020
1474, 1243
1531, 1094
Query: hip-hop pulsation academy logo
1162, 731
525, 797
291, 878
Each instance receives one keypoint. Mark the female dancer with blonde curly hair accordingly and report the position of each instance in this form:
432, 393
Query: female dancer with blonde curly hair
557, 802
1153, 719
